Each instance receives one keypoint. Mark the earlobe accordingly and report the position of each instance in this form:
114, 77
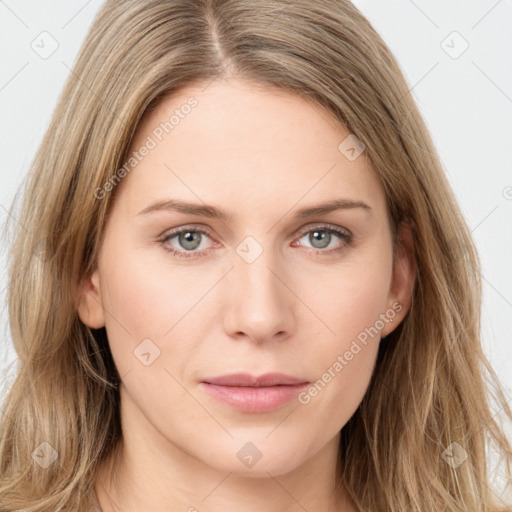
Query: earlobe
404, 277
90, 308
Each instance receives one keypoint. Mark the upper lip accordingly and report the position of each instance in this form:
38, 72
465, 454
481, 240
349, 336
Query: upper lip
246, 379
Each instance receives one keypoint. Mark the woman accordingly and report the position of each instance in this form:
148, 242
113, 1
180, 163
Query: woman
246, 281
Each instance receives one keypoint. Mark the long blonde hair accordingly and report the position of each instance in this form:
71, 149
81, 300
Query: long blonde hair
432, 385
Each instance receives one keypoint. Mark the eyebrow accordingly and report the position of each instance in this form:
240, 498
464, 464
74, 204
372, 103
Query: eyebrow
205, 210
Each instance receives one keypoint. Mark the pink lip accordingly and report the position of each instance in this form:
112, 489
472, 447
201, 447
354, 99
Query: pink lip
249, 393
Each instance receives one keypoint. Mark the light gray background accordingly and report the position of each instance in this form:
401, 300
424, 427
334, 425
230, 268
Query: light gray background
466, 102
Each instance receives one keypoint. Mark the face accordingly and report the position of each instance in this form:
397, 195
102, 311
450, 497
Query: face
248, 284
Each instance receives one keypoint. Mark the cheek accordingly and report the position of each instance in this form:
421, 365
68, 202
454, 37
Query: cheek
143, 305
343, 362
347, 340
352, 295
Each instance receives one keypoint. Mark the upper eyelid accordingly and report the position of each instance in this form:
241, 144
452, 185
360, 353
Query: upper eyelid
324, 225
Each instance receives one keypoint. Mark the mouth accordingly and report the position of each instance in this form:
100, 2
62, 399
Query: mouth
248, 393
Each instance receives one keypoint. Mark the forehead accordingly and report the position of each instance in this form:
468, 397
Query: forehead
234, 143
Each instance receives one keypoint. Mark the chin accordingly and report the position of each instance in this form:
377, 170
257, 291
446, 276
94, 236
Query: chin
256, 460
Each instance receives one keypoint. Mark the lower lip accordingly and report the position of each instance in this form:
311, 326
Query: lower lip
251, 399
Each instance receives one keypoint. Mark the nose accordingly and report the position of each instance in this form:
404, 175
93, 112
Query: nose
260, 306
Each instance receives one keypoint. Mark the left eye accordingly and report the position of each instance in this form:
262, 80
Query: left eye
322, 235
190, 240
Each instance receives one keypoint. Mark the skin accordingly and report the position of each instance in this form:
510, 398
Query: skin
260, 155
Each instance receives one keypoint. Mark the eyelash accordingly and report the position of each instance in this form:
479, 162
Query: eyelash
345, 235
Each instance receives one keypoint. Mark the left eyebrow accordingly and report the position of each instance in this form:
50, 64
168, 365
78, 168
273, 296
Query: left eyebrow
205, 210
330, 206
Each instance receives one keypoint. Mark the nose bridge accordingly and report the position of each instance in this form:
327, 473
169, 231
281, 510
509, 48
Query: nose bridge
255, 269
259, 300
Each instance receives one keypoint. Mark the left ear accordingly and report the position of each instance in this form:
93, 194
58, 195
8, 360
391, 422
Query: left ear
404, 277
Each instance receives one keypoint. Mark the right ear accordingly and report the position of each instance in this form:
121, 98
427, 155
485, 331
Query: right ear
90, 307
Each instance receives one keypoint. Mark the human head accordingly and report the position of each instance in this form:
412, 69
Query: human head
250, 300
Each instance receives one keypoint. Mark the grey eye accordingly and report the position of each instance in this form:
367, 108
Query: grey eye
320, 238
189, 239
